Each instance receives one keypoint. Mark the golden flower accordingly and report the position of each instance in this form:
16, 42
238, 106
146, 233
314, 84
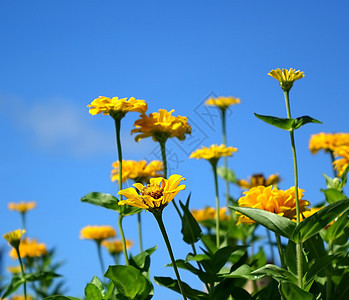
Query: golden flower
161, 126
116, 107
286, 77
139, 171
22, 206
222, 102
14, 269
29, 248
115, 246
14, 237
154, 196
340, 164
213, 153
209, 213
97, 233
257, 180
20, 297
327, 141
273, 200
308, 213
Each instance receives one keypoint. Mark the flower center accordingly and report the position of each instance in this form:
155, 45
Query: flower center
154, 191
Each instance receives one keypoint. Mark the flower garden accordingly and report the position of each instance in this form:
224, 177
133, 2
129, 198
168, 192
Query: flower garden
310, 242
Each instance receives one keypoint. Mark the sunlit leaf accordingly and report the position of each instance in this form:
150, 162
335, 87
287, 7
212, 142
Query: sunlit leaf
291, 291
332, 195
283, 123
92, 292
102, 199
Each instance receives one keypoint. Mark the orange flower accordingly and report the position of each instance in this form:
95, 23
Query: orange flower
22, 206
328, 141
29, 248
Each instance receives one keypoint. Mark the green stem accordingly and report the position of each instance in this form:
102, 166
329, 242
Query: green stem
123, 240
224, 138
293, 145
158, 217
214, 167
139, 222
271, 246
281, 251
23, 274
23, 221
100, 256
164, 161
332, 160
118, 145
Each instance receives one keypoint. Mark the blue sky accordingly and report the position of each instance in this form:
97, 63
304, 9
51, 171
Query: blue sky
57, 56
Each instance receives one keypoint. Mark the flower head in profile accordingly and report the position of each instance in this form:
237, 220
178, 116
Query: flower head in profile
14, 269
286, 77
116, 107
154, 196
327, 141
115, 246
161, 126
22, 206
281, 202
139, 171
209, 213
20, 297
213, 153
222, 102
29, 248
257, 180
97, 233
14, 237
342, 161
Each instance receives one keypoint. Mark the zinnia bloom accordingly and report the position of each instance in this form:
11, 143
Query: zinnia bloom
273, 200
213, 153
97, 233
327, 141
257, 180
222, 102
115, 246
161, 126
20, 297
209, 213
29, 248
14, 237
22, 206
286, 77
116, 107
154, 196
340, 164
139, 171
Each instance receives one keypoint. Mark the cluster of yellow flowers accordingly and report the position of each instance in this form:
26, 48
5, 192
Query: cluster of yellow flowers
281, 202
209, 213
22, 206
257, 180
154, 196
139, 171
328, 141
97, 233
29, 248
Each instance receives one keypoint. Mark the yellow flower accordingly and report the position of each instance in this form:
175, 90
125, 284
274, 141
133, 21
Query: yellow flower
213, 153
154, 196
341, 164
22, 206
14, 269
209, 213
29, 248
222, 102
116, 107
308, 213
139, 171
14, 237
97, 233
286, 77
20, 297
161, 126
257, 180
115, 246
276, 201
327, 141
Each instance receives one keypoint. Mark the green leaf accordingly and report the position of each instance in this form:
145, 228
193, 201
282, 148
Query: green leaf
190, 228
342, 290
333, 195
129, 281
334, 183
128, 210
102, 199
344, 177
243, 271
15, 283
304, 120
226, 174
290, 291
60, 297
220, 258
338, 229
273, 222
92, 292
276, 273
98, 283
173, 285
313, 224
283, 123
